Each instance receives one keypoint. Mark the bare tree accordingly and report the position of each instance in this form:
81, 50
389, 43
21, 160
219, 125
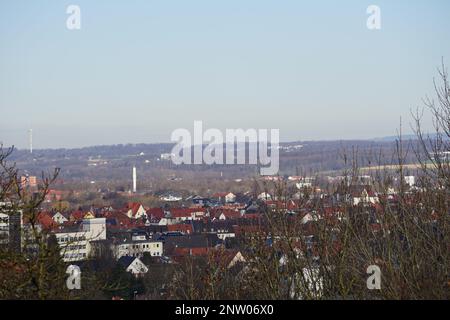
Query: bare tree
34, 263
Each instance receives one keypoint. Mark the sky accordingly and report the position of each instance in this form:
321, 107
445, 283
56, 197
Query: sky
138, 70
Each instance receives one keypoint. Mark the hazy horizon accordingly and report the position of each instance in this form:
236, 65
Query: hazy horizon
137, 71
375, 139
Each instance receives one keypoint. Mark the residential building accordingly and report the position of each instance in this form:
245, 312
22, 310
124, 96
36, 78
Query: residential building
59, 218
74, 240
133, 265
134, 243
135, 211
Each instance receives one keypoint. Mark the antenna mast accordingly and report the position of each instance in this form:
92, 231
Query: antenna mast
30, 132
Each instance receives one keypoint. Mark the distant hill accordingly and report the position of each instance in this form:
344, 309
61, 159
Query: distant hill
407, 137
114, 162
394, 138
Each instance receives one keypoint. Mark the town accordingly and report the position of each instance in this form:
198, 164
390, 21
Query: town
219, 227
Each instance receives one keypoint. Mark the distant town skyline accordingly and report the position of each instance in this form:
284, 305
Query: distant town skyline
137, 71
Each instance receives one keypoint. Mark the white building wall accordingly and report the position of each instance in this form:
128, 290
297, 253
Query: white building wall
137, 249
75, 246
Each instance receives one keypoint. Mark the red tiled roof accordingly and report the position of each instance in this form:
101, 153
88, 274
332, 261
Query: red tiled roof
220, 194
184, 212
244, 229
155, 213
76, 215
184, 228
45, 220
229, 214
133, 206
123, 221
223, 257
190, 251
252, 216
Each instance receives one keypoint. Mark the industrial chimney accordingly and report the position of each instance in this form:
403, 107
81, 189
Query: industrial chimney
134, 179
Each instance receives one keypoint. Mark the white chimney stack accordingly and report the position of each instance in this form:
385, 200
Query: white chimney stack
134, 179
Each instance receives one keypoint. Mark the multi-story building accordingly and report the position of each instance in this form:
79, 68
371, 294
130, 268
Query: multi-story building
4, 229
134, 244
137, 248
11, 227
28, 181
75, 241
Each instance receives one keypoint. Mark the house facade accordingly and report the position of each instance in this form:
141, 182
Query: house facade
133, 265
137, 248
136, 211
75, 243
59, 218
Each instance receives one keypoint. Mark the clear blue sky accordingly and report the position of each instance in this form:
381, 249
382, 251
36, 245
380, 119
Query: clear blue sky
137, 70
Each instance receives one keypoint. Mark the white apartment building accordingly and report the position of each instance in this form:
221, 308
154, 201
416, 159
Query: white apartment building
11, 227
137, 248
4, 228
75, 244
